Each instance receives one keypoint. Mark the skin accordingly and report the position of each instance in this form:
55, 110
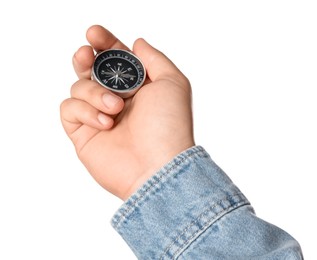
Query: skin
122, 143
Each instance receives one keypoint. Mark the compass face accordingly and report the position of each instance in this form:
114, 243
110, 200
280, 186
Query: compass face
120, 71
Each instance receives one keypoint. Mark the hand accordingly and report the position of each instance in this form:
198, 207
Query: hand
123, 143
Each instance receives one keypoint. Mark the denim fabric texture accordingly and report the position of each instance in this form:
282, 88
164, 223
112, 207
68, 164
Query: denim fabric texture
191, 209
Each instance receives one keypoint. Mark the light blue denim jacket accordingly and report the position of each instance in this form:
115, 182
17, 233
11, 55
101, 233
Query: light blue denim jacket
190, 209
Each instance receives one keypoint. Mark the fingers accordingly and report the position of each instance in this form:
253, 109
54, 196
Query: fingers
99, 39
158, 66
90, 105
97, 96
82, 62
102, 39
76, 113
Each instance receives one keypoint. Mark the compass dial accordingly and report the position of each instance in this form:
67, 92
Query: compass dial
120, 71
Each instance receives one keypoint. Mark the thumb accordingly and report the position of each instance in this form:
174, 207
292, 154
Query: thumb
157, 65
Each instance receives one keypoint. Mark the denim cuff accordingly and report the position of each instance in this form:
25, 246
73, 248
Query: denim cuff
175, 206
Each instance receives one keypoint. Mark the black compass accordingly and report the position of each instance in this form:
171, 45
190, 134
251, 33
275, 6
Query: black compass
119, 71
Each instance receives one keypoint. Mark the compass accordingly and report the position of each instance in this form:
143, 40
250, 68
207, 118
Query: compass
119, 71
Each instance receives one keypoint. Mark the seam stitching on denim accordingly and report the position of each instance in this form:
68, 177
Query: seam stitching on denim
155, 182
243, 201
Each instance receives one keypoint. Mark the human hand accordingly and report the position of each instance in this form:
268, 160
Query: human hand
122, 143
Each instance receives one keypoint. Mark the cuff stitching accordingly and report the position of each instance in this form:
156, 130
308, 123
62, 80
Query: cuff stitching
241, 202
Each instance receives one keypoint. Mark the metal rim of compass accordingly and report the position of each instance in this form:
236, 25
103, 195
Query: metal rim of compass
124, 93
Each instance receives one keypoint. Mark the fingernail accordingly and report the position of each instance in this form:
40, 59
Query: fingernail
103, 119
110, 100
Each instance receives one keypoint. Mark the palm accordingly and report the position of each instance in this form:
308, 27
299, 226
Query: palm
126, 150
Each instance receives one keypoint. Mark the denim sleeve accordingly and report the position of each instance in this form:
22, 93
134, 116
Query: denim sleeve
190, 209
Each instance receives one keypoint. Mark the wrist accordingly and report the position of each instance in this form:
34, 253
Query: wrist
156, 164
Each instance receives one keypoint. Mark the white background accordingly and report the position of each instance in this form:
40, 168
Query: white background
252, 65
